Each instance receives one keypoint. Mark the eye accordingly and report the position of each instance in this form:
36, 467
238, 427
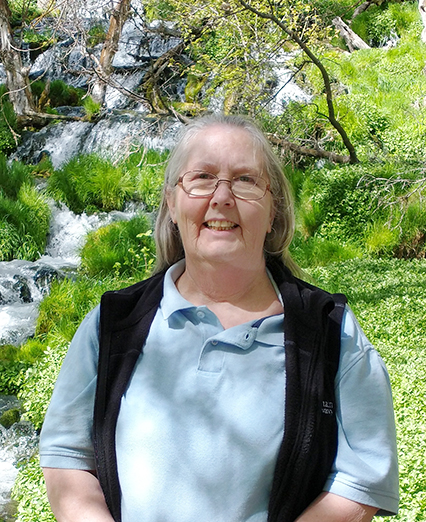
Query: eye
247, 179
198, 175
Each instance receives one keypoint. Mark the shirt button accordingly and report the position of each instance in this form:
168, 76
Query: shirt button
214, 343
200, 314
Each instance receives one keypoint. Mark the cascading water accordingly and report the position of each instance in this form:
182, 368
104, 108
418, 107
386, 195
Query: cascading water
23, 284
17, 445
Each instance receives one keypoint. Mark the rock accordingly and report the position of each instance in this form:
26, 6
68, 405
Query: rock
9, 417
44, 277
22, 287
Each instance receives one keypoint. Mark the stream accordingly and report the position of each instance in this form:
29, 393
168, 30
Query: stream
23, 284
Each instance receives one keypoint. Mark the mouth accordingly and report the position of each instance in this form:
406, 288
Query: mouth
220, 225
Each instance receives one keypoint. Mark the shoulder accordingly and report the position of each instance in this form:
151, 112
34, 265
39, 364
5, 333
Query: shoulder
355, 346
120, 304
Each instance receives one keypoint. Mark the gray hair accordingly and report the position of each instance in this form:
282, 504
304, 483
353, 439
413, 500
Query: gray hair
168, 241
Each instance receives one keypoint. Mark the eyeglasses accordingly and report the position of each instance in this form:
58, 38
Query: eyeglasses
203, 184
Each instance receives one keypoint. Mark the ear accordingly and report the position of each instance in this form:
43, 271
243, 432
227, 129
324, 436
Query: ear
170, 198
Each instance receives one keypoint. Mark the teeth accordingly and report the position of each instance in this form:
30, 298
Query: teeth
220, 225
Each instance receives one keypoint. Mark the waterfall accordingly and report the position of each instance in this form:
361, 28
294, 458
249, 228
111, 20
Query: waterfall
23, 284
17, 445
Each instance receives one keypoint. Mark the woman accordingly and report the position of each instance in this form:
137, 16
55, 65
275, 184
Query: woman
203, 410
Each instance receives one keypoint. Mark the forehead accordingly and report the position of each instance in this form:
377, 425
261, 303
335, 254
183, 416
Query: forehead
223, 146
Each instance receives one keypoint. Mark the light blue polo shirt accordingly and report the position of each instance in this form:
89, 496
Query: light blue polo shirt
201, 422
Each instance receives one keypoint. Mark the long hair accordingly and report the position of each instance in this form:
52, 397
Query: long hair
167, 238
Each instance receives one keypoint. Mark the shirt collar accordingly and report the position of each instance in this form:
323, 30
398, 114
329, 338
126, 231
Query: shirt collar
172, 300
268, 330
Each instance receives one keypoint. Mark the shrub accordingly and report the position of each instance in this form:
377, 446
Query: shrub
24, 223
147, 169
8, 127
90, 183
123, 248
13, 177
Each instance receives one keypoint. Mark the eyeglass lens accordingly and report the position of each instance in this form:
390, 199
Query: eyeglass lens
245, 186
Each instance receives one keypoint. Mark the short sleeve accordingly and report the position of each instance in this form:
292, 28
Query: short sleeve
366, 468
66, 436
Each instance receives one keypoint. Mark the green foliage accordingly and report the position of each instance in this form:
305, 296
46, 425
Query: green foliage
146, 168
8, 127
12, 376
13, 177
90, 183
319, 251
40, 378
379, 23
30, 492
334, 203
125, 248
389, 299
64, 308
58, 94
96, 35
24, 221
91, 107
14, 361
23, 11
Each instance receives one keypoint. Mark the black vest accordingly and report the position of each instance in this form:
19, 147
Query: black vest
312, 324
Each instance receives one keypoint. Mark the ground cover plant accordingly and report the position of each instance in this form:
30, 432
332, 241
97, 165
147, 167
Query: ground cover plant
389, 299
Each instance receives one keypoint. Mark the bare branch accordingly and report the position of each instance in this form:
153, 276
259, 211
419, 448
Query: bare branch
307, 151
326, 79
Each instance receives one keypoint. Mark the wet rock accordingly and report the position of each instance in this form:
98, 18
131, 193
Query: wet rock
9, 417
44, 277
21, 286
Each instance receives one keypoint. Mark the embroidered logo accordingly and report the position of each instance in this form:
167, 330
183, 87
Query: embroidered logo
327, 407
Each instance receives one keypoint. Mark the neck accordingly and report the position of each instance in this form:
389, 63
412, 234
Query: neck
216, 283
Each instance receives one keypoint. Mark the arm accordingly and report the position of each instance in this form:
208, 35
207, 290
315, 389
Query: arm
76, 496
333, 508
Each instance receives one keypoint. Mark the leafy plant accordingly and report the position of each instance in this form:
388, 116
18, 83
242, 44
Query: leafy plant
91, 107
96, 35
30, 492
24, 223
90, 183
123, 248
8, 127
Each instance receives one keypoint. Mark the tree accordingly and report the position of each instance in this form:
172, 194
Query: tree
17, 76
246, 38
103, 71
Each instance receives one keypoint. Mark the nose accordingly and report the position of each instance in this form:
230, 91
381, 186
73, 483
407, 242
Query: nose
223, 193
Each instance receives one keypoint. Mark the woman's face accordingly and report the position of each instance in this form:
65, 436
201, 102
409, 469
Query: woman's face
222, 228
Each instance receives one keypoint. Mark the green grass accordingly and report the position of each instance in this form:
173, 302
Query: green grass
122, 248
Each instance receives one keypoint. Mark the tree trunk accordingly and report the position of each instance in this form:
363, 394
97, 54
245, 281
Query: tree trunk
104, 68
353, 41
16, 75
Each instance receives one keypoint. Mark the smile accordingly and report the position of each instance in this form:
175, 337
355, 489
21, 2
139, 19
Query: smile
220, 225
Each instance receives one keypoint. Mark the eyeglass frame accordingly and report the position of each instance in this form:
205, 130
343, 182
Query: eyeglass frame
218, 180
